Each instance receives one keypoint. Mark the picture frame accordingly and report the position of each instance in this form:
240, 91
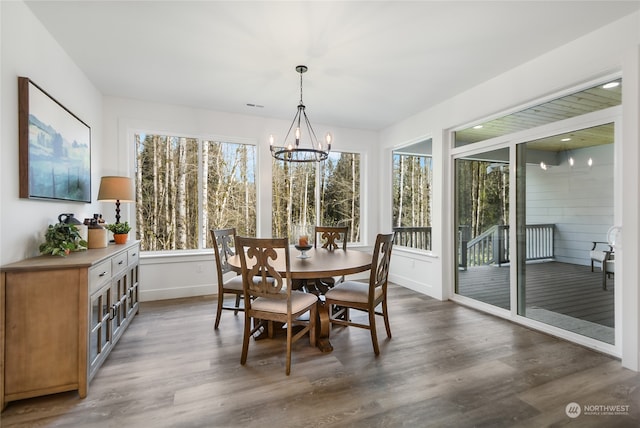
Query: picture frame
54, 148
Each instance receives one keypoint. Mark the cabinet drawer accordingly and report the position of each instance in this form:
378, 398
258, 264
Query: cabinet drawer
98, 275
119, 263
133, 255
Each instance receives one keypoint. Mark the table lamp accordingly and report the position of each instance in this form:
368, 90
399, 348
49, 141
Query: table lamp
118, 189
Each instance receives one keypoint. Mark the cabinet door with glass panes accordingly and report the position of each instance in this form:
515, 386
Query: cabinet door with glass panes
100, 327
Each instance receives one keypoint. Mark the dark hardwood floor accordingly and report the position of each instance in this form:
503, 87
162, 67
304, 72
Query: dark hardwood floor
446, 366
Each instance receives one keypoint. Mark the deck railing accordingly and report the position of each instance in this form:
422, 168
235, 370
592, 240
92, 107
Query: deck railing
413, 237
492, 246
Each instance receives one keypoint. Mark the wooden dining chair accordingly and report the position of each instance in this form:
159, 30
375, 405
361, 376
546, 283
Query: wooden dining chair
366, 296
268, 296
224, 239
330, 238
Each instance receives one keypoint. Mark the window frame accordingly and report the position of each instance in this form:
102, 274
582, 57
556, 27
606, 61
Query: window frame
401, 150
200, 138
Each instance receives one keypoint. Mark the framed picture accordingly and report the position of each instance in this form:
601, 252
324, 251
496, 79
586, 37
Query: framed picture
55, 147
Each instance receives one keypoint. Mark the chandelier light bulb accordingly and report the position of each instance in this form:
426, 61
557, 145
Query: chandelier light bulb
328, 138
271, 139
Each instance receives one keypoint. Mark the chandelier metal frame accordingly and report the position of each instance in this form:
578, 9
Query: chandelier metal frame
292, 152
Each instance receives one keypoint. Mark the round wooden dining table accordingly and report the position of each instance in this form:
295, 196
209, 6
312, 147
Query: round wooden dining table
320, 263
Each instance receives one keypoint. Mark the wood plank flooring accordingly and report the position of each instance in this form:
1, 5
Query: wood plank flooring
446, 366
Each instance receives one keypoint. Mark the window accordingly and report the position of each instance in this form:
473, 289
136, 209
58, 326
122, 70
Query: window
412, 176
187, 186
340, 193
335, 183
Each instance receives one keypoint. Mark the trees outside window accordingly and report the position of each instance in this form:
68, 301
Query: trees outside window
412, 177
297, 188
187, 186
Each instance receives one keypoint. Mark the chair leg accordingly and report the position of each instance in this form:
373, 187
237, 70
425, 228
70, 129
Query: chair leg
374, 334
604, 278
219, 310
237, 304
245, 339
289, 338
385, 315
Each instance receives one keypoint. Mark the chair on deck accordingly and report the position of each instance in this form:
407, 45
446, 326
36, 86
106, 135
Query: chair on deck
330, 238
272, 299
223, 240
366, 296
602, 253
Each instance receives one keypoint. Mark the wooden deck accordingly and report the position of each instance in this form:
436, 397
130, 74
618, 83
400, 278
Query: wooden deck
560, 294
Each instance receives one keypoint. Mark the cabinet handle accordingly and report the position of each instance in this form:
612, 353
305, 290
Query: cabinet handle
103, 274
120, 262
112, 312
134, 254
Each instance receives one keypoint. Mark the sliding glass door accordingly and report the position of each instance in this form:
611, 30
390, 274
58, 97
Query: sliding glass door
565, 188
482, 216
534, 210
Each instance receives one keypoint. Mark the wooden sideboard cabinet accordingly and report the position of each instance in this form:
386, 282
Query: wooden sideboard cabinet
61, 316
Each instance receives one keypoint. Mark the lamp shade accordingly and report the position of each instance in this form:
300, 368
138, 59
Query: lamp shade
113, 188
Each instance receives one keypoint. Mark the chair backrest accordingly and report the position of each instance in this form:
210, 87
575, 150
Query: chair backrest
380, 262
259, 276
223, 240
331, 236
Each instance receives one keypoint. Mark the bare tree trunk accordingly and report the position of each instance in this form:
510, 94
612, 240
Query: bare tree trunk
353, 199
243, 172
305, 199
413, 193
423, 197
400, 191
475, 197
289, 198
181, 190
156, 213
205, 189
138, 207
169, 213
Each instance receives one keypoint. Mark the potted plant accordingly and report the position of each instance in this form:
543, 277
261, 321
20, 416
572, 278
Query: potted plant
61, 239
120, 231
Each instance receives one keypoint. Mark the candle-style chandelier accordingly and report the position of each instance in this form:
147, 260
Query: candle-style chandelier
292, 151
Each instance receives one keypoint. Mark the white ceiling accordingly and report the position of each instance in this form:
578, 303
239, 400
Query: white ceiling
371, 63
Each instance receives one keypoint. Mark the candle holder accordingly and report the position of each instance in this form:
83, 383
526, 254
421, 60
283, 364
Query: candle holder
303, 241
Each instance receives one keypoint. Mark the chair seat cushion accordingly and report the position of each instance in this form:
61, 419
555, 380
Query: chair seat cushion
352, 291
299, 301
598, 255
234, 283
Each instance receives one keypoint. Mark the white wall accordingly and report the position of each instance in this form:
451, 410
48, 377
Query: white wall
28, 50
612, 49
578, 200
170, 276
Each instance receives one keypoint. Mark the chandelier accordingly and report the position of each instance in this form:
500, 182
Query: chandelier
292, 152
